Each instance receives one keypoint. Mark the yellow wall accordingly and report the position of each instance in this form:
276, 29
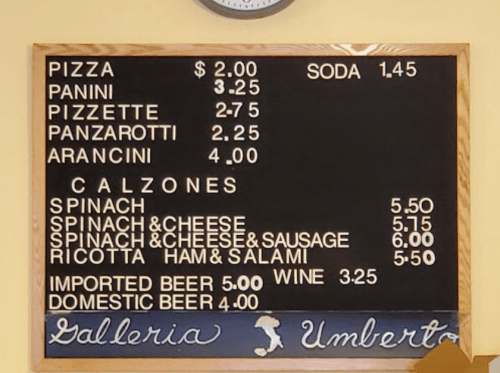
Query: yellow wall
24, 22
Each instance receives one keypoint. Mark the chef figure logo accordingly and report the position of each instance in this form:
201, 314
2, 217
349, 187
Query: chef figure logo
269, 324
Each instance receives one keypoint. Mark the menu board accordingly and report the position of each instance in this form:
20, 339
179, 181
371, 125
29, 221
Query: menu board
266, 206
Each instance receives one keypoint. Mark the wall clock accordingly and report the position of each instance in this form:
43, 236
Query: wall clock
246, 9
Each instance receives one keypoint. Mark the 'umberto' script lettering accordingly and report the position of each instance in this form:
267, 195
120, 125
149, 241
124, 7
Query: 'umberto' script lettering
367, 338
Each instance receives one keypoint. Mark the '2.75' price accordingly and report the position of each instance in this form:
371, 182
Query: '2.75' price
233, 110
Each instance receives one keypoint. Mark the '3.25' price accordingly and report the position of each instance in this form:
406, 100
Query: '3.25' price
359, 276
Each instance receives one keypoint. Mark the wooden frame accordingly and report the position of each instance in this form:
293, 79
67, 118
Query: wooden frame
40, 51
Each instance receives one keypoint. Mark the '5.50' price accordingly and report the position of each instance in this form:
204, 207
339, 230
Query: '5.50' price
414, 205
415, 258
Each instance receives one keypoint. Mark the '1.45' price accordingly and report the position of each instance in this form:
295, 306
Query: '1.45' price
399, 69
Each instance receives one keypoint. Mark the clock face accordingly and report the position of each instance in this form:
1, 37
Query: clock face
246, 8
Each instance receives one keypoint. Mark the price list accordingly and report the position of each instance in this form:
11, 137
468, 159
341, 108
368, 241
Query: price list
264, 192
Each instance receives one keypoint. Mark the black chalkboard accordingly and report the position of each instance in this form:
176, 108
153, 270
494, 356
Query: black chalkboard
219, 187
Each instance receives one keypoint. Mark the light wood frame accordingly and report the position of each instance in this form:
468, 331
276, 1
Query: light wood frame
40, 51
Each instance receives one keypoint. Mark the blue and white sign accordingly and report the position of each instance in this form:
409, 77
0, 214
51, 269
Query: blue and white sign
247, 335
